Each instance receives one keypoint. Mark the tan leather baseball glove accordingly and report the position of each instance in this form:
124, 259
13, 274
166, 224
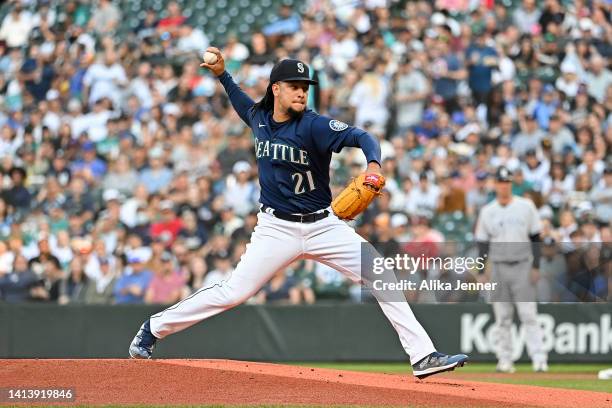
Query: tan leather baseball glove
356, 197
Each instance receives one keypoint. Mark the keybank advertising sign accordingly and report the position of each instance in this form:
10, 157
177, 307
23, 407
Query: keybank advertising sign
569, 333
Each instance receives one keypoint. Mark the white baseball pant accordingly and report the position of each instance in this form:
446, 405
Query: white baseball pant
274, 245
514, 279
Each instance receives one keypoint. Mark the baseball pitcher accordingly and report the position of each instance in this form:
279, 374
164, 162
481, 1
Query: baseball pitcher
508, 230
293, 148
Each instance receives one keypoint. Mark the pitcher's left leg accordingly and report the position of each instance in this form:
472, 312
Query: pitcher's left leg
334, 243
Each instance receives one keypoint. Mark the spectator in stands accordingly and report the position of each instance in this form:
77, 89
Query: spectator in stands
100, 290
197, 271
73, 288
526, 17
451, 198
121, 176
166, 287
329, 284
280, 290
530, 136
222, 269
479, 196
157, 177
560, 135
105, 18
423, 198
20, 284
369, 99
90, 167
242, 194
481, 59
412, 88
18, 195
599, 78
131, 287
192, 40
286, 23
16, 27
446, 72
105, 79
173, 20
169, 225
601, 195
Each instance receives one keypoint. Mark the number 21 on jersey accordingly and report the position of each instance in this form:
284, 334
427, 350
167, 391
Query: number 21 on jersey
298, 179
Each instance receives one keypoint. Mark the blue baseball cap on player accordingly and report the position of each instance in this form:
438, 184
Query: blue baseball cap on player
291, 70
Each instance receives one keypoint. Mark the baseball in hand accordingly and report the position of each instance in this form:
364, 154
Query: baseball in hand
210, 58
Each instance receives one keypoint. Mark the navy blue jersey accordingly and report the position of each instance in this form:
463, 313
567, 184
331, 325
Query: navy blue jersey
293, 156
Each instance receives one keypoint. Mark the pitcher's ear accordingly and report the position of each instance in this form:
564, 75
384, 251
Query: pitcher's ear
276, 89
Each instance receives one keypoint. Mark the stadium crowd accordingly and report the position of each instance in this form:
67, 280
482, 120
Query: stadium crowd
126, 177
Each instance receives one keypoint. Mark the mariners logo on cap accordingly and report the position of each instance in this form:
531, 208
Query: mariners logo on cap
337, 125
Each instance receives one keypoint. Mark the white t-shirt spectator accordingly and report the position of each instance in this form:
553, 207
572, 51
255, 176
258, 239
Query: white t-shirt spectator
237, 52
345, 50
50, 17
104, 82
369, 98
557, 190
597, 84
537, 175
63, 254
243, 198
15, 31
9, 147
93, 123
196, 41
53, 121
139, 87
421, 202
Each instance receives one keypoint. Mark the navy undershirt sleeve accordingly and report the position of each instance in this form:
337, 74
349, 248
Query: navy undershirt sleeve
241, 102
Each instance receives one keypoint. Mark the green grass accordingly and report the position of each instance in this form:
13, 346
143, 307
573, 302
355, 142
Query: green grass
563, 371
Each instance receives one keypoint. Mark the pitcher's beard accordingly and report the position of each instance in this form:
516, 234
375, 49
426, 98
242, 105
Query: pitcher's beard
293, 114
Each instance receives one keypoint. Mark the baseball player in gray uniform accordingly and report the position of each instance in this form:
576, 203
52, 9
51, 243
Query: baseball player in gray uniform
507, 231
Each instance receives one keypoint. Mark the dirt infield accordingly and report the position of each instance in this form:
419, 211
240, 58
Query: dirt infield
170, 382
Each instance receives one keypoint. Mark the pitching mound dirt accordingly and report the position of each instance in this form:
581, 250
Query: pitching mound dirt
170, 382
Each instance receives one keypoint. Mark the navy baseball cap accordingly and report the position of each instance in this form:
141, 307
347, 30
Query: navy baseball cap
503, 174
291, 70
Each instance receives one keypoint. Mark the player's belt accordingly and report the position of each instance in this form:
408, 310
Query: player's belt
510, 262
304, 218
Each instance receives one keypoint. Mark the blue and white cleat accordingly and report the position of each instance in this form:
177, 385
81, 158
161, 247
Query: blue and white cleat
143, 343
437, 363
